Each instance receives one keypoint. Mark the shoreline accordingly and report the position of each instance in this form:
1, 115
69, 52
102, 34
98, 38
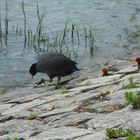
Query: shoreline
81, 109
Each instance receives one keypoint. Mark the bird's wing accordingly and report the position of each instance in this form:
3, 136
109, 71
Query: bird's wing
53, 62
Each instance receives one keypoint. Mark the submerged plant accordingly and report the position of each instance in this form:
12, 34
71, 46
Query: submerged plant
134, 36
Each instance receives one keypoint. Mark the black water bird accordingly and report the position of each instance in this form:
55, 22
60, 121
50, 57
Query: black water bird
54, 65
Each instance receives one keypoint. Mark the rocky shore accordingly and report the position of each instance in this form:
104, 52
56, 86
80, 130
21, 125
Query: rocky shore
82, 109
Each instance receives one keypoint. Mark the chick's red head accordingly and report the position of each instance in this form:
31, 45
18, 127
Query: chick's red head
105, 72
137, 60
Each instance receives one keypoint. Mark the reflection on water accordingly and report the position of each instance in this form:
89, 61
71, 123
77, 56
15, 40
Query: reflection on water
110, 17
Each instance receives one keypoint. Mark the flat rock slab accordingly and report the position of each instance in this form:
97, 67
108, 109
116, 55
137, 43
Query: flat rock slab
101, 80
81, 110
23, 128
4, 107
59, 111
20, 92
96, 135
125, 118
20, 107
64, 133
128, 70
73, 120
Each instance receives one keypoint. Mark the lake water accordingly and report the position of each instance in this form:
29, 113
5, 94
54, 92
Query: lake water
109, 17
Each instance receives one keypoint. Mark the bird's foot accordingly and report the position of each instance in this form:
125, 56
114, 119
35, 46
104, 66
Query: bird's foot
57, 86
50, 80
40, 82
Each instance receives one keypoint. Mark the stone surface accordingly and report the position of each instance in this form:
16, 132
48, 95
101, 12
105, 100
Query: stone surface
125, 118
81, 109
62, 133
73, 120
22, 128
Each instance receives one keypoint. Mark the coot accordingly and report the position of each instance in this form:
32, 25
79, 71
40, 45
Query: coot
54, 65
138, 62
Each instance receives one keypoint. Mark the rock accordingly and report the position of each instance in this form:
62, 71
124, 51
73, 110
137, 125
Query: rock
128, 70
61, 133
82, 111
123, 118
107, 106
50, 107
20, 92
4, 107
20, 107
5, 118
102, 80
20, 128
96, 135
59, 111
73, 120
27, 98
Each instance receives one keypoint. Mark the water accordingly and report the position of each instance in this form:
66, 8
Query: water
110, 17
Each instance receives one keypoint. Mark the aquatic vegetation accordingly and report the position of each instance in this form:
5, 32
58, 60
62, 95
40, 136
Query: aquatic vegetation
6, 18
64, 91
66, 40
85, 109
133, 98
116, 133
15, 138
0, 27
131, 84
40, 18
24, 14
132, 35
132, 137
31, 117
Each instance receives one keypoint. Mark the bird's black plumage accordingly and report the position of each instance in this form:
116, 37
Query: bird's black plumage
54, 65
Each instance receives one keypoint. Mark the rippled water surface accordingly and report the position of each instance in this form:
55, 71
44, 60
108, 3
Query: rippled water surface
109, 17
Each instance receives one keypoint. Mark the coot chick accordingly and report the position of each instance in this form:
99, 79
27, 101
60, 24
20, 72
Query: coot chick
54, 65
138, 62
105, 72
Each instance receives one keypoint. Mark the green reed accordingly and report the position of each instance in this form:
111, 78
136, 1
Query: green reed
0, 27
65, 41
6, 22
24, 16
40, 18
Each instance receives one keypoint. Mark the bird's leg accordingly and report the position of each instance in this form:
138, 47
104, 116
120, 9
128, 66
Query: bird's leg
50, 80
138, 67
57, 84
